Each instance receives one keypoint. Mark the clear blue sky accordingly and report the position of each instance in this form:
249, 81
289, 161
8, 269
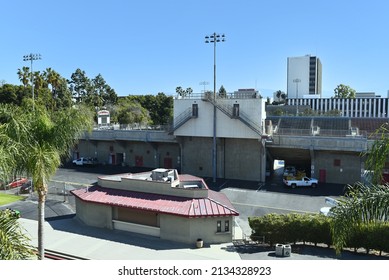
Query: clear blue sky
151, 46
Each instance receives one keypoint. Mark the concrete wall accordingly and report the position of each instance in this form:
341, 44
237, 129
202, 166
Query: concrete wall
236, 158
348, 171
202, 126
172, 227
189, 230
95, 215
243, 159
196, 156
132, 153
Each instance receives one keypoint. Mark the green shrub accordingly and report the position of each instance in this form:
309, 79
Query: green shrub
316, 228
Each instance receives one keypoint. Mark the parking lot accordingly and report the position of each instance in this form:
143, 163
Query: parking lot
248, 197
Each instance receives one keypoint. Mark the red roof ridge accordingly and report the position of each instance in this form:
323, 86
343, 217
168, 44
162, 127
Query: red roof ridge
223, 205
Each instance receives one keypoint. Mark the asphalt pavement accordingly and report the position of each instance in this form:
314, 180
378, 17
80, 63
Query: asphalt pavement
64, 233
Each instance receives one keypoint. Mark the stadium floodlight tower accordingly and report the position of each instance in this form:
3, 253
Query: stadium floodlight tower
31, 57
214, 38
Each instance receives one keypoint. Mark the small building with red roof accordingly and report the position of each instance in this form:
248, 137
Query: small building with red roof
160, 203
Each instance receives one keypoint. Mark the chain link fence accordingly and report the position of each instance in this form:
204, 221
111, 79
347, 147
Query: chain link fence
58, 191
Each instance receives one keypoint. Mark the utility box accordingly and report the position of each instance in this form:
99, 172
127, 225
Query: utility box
279, 250
283, 250
287, 250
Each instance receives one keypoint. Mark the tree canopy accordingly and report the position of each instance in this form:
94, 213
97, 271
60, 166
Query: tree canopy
343, 91
55, 92
35, 141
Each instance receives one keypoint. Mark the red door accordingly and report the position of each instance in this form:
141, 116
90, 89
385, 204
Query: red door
322, 175
138, 161
168, 163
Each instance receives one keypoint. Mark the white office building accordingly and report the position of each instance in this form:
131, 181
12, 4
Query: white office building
304, 77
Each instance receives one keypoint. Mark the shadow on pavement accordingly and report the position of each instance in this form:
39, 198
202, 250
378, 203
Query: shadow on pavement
69, 223
301, 252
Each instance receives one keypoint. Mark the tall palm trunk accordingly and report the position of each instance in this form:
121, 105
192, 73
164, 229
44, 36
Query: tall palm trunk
41, 223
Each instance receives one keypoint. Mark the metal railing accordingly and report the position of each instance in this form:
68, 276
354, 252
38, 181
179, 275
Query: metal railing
321, 132
182, 118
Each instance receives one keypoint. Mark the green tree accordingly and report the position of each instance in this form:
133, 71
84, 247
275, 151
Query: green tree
131, 112
184, 92
24, 75
79, 84
101, 94
160, 107
343, 91
8, 94
364, 205
180, 91
40, 139
222, 92
15, 245
376, 156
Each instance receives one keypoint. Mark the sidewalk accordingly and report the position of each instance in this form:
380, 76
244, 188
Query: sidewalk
67, 235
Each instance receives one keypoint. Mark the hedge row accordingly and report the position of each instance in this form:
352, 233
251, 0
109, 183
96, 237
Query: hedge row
316, 228
291, 228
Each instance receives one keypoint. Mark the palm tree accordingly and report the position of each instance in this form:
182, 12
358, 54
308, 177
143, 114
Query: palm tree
42, 139
376, 157
24, 75
15, 244
363, 205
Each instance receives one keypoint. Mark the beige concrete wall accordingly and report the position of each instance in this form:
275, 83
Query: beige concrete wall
243, 159
171, 227
348, 172
236, 158
92, 214
197, 156
189, 230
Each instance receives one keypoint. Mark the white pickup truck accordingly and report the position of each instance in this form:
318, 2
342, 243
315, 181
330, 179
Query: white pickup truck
305, 181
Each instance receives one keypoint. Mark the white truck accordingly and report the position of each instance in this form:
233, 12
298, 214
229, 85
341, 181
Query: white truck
304, 181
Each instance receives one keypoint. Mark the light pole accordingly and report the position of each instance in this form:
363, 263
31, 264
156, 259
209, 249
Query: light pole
32, 57
214, 38
297, 94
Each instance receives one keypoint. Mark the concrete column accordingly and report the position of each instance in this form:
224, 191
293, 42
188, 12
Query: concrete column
312, 152
263, 161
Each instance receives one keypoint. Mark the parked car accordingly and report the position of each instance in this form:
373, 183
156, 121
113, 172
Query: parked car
326, 211
17, 183
26, 187
85, 161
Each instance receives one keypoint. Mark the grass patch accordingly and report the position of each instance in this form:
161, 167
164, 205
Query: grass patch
9, 198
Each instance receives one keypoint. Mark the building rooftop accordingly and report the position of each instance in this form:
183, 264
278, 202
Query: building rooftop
160, 190
216, 204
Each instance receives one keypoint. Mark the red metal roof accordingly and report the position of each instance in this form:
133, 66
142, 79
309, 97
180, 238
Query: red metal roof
216, 204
